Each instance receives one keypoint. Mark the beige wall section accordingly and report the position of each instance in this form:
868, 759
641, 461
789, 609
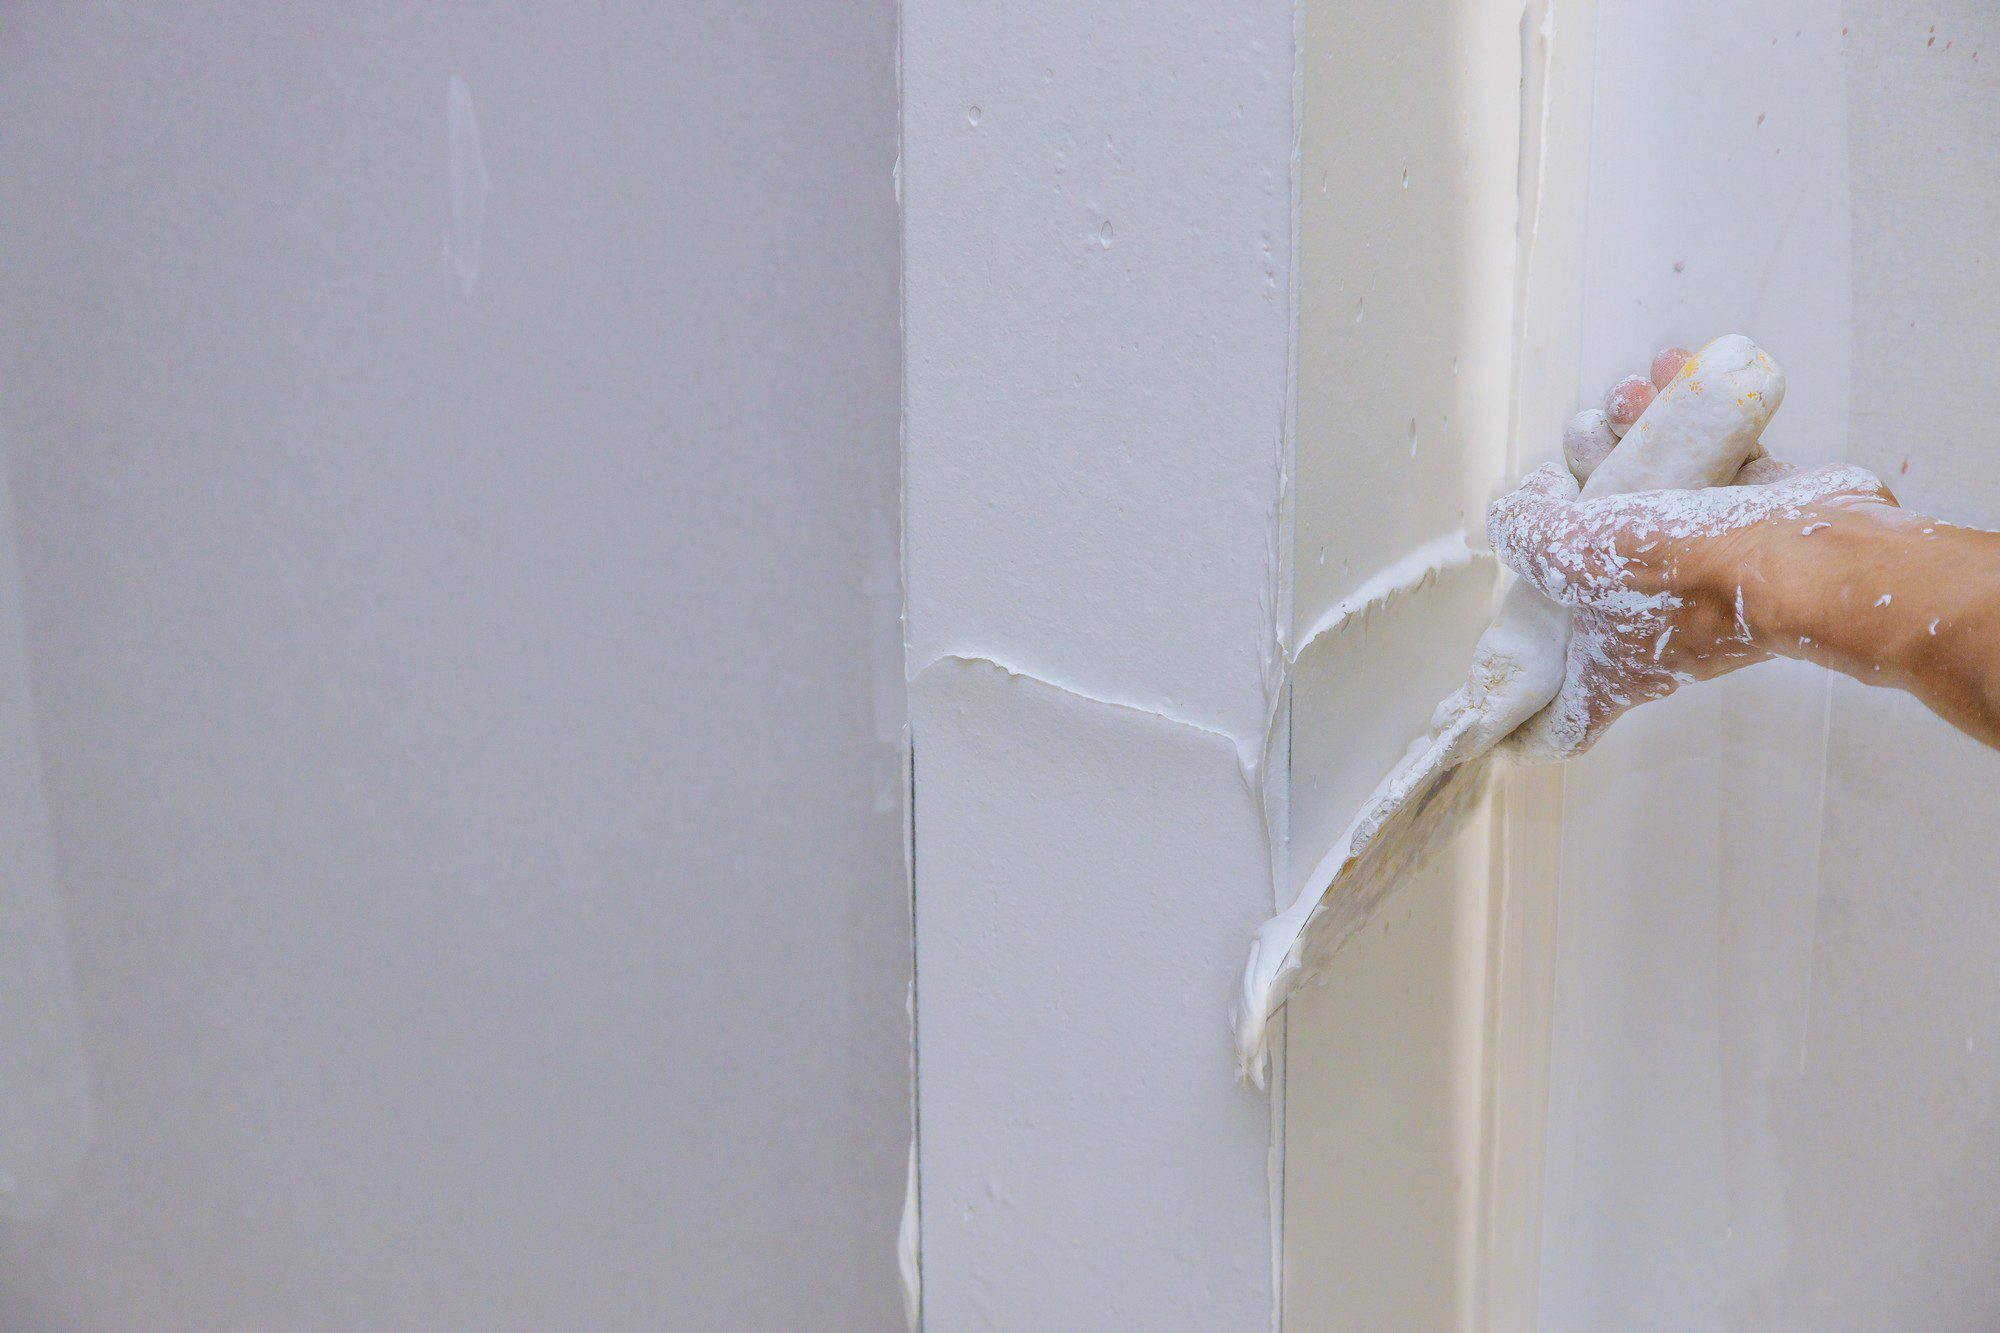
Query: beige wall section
1409, 154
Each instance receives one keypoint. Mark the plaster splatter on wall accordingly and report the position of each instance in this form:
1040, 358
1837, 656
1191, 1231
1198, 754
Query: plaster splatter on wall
470, 185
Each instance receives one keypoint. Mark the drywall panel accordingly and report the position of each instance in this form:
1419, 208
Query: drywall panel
1408, 149
1097, 243
1410, 143
450, 655
1886, 1131
1704, 838
1097, 219
1088, 1160
46, 1122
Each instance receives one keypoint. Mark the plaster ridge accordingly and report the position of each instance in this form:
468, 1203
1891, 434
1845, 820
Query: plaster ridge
1248, 766
1407, 573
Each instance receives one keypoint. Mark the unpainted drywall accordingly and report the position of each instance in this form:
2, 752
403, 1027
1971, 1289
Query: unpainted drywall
1097, 228
457, 650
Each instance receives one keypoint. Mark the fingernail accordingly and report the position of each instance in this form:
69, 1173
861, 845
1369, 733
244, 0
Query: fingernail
1667, 363
1628, 398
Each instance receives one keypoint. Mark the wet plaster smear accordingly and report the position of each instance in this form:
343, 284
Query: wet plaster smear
1096, 225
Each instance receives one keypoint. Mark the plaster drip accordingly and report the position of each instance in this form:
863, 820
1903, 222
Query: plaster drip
1407, 574
909, 1232
470, 185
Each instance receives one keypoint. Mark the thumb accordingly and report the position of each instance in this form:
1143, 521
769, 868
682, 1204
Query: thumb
1528, 525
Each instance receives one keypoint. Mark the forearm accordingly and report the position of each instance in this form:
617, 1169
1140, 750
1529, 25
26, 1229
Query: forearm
1887, 597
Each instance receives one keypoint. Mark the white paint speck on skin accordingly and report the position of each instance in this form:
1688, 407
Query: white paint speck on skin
1934, 625
1884, 599
1810, 528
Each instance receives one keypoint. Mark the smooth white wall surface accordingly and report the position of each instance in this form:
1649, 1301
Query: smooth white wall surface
1097, 207
1889, 1137
458, 666
1777, 1061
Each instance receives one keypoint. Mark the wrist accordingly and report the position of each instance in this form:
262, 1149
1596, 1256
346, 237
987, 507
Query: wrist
1856, 587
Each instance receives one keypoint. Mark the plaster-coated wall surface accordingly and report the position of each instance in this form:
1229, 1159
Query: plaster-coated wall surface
1776, 1083
1097, 238
451, 871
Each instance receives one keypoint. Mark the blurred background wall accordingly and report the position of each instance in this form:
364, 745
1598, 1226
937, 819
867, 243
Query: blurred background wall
450, 776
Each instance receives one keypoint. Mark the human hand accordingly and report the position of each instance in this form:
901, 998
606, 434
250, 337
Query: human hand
1664, 587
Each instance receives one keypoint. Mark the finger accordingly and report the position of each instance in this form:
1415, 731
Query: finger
1528, 525
1557, 732
1587, 441
1763, 471
1572, 721
1627, 399
1667, 363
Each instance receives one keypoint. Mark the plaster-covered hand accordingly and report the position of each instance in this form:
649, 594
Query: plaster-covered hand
1664, 587
1592, 434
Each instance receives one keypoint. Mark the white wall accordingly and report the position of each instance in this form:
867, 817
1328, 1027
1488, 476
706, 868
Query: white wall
1097, 237
1777, 1061
1889, 1132
450, 831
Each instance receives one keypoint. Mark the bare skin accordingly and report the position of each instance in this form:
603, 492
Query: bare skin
1671, 587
